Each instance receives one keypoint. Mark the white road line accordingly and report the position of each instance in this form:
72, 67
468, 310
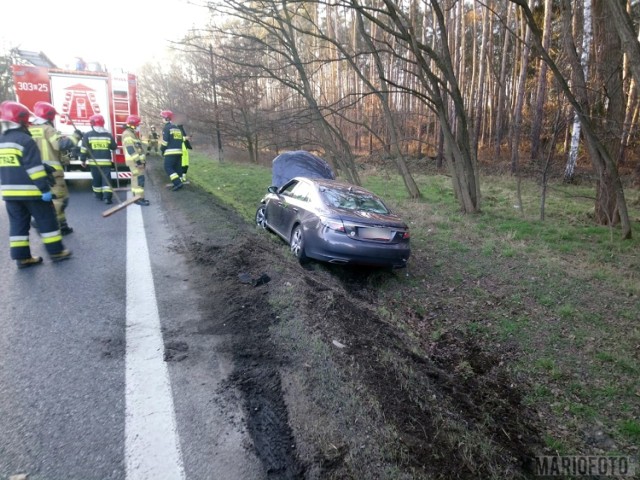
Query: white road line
152, 448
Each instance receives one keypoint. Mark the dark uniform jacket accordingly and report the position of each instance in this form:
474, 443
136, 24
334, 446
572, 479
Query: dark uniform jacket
100, 143
171, 143
22, 173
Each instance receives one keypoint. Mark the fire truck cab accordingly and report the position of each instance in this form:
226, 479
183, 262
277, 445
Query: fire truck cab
77, 95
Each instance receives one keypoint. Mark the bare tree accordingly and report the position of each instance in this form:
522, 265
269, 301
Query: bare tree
541, 91
610, 193
630, 43
282, 56
478, 97
437, 85
382, 93
516, 123
587, 37
500, 103
625, 30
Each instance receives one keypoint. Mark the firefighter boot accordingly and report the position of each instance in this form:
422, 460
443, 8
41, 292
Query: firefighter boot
143, 201
59, 257
65, 229
28, 262
108, 200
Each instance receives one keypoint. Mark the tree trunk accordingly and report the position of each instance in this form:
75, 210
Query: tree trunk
619, 17
516, 123
479, 96
600, 156
608, 67
541, 93
583, 65
630, 44
501, 103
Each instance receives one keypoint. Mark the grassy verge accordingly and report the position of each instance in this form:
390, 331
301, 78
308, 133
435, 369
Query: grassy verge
241, 186
562, 293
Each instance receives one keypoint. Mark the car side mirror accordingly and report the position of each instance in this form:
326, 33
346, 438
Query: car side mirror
272, 189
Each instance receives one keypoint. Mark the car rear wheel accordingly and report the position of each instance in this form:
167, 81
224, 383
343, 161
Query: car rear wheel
297, 244
261, 217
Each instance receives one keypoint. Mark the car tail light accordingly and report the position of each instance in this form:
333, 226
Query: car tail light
333, 224
402, 235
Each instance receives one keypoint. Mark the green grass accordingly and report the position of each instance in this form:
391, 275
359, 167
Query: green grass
631, 428
241, 186
566, 311
557, 446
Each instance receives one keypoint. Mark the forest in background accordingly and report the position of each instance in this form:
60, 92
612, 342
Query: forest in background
530, 86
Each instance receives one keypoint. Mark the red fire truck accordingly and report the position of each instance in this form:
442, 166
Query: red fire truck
77, 95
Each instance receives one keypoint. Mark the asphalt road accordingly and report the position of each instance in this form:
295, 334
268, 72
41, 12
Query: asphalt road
85, 391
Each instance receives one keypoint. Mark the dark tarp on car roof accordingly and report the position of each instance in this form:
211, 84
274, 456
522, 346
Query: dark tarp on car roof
299, 163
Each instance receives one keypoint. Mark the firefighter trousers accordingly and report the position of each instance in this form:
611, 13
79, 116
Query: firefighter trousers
173, 168
137, 181
61, 199
44, 213
101, 181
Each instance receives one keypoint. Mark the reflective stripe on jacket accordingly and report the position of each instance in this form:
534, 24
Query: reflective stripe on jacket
22, 173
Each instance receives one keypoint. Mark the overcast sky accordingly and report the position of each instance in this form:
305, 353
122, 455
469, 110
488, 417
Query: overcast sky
99, 32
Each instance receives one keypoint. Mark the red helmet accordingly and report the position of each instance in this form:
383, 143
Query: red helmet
96, 120
14, 112
167, 114
45, 110
133, 120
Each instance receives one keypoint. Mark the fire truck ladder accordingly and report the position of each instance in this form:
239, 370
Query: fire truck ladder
121, 109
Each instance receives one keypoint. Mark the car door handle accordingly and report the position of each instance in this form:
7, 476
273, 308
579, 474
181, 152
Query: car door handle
295, 209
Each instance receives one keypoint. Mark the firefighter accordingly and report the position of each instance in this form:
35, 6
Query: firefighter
97, 146
134, 157
52, 144
153, 141
186, 146
171, 148
26, 189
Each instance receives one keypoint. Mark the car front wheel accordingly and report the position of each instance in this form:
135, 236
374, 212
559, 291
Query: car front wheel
297, 244
261, 217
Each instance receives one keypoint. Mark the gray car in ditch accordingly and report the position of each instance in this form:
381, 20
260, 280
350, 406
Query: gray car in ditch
336, 222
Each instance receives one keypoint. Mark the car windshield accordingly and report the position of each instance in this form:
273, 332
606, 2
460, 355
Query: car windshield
353, 200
